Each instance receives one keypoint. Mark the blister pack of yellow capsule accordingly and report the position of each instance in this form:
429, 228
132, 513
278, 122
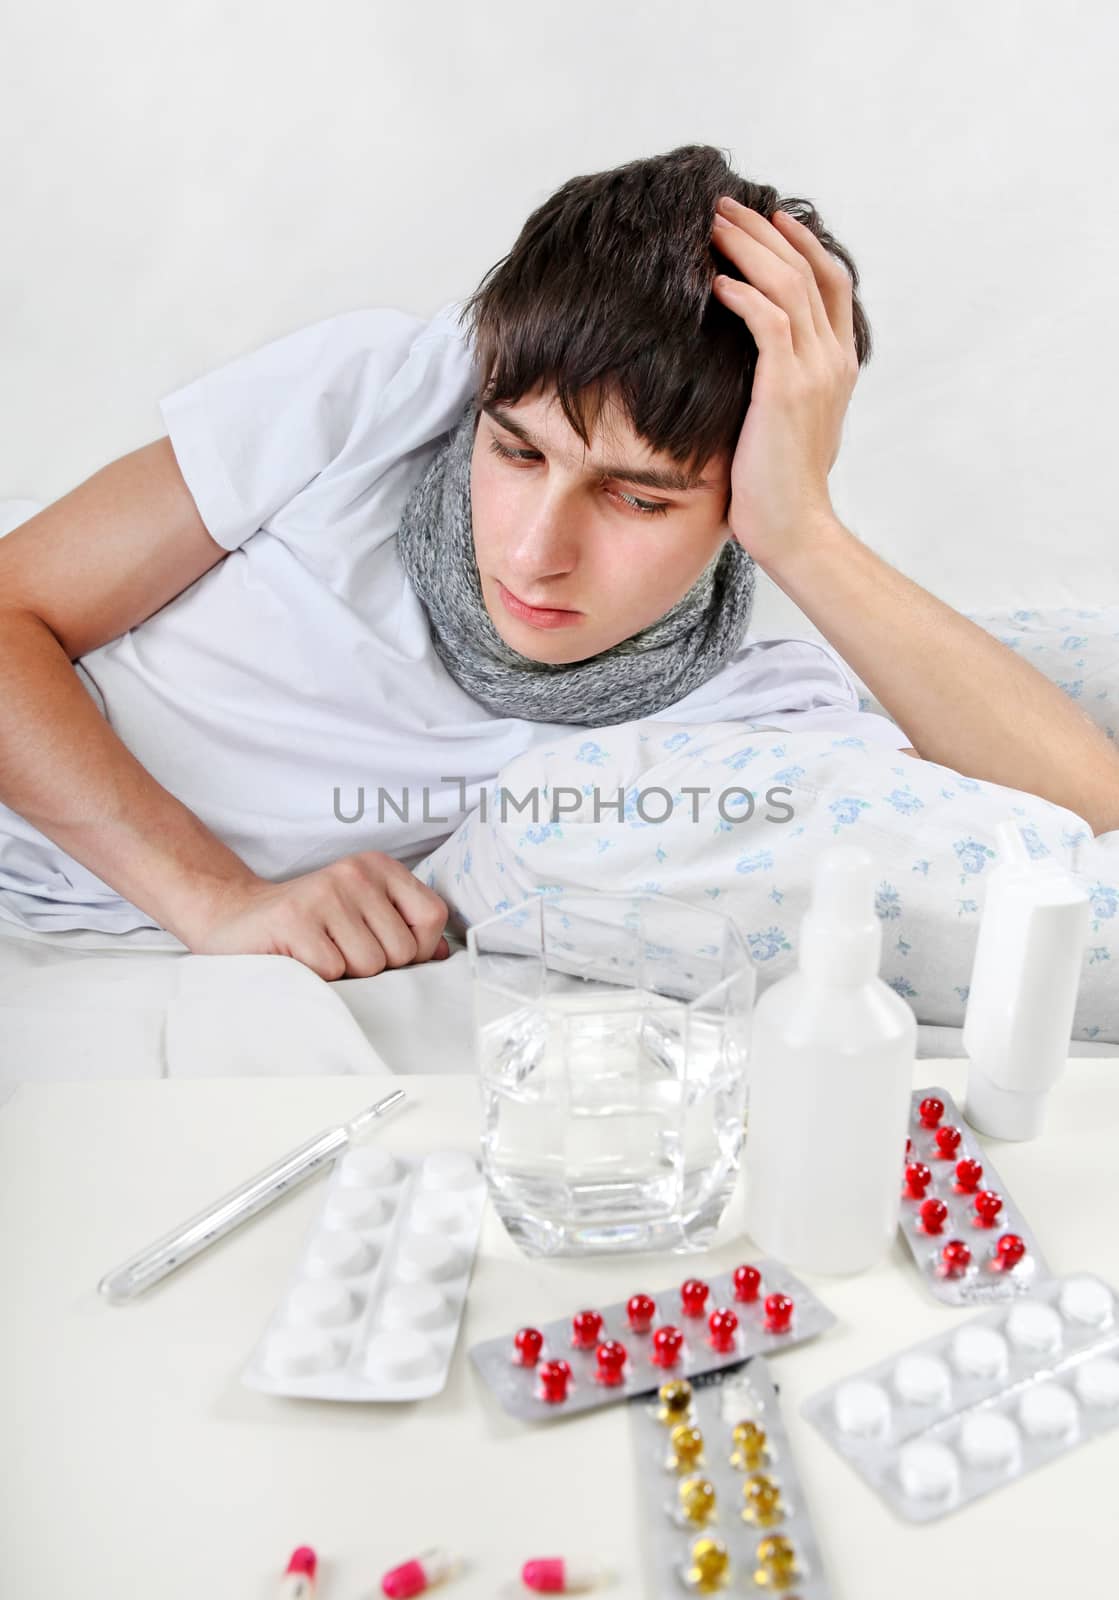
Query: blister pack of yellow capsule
722, 1510
977, 1406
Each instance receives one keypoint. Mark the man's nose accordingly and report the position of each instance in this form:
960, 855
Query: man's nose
544, 545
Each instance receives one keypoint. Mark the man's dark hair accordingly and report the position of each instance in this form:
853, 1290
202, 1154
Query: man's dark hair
607, 293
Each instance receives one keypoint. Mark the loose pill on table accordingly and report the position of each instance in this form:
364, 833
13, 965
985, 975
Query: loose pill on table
1032, 1325
861, 1408
988, 1439
553, 1575
709, 1566
979, 1352
922, 1380
370, 1168
1097, 1382
413, 1577
1048, 1411
1086, 1301
928, 1470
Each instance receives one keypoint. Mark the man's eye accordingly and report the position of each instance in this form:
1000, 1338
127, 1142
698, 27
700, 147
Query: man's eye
646, 508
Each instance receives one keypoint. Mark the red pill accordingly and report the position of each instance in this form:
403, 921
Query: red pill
969, 1175
722, 1326
778, 1313
611, 1358
641, 1309
747, 1282
585, 1329
554, 1379
527, 1345
933, 1214
947, 1141
693, 1296
988, 1204
930, 1111
917, 1179
1009, 1251
955, 1258
667, 1344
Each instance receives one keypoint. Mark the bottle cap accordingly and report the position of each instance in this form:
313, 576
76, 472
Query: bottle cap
841, 936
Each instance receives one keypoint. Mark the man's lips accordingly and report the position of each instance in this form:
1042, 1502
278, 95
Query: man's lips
538, 616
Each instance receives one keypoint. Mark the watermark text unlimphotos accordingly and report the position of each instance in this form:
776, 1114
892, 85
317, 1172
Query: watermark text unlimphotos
552, 805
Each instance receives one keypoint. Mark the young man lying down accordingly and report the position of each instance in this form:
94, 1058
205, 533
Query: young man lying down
381, 557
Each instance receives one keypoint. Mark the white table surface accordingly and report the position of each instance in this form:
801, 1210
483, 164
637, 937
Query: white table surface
136, 1464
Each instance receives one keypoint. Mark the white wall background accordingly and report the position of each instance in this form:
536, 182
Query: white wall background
182, 184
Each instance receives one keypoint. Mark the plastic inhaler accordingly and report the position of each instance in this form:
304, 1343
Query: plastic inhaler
831, 1072
1024, 984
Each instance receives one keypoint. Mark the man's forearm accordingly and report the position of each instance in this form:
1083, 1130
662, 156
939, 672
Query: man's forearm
966, 700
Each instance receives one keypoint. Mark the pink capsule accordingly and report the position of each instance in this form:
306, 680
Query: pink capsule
553, 1575
413, 1577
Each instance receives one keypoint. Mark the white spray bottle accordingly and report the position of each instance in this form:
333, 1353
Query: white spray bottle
1024, 983
831, 1072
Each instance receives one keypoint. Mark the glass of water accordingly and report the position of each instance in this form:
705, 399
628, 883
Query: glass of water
612, 1036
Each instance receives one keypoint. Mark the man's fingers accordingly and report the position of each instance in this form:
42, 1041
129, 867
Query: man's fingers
422, 909
763, 261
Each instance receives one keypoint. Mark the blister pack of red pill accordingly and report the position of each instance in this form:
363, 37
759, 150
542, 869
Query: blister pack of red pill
721, 1505
373, 1309
972, 1409
968, 1238
599, 1355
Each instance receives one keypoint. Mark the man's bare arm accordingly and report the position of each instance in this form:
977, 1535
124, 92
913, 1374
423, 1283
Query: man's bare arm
965, 699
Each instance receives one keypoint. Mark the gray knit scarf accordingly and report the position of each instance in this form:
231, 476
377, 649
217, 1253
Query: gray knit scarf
640, 675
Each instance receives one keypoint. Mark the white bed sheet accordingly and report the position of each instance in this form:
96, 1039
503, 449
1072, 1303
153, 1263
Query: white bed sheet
90, 1005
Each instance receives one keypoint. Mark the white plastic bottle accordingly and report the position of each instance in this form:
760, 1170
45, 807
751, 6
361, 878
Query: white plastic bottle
831, 1073
1024, 984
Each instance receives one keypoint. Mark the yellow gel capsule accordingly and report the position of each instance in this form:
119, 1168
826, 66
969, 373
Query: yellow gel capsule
710, 1566
675, 1399
777, 1564
697, 1499
687, 1446
763, 1500
749, 1443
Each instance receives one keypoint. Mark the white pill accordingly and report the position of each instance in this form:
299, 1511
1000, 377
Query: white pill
339, 1253
923, 1380
861, 1408
450, 1169
425, 1256
928, 1470
400, 1355
1034, 1326
413, 1305
1085, 1300
357, 1208
324, 1304
1048, 1412
368, 1168
436, 1213
988, 1439
301, 1352
979, 1353
1097, 1382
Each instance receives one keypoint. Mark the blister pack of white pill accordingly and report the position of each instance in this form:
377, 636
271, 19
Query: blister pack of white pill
968, 1411
373, 1309
970, 1242
721, 1505
602, 1355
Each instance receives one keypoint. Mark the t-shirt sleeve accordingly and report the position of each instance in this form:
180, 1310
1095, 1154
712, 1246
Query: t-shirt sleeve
250, 435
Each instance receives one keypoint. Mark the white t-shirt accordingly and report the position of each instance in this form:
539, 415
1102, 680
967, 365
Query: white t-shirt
300, 670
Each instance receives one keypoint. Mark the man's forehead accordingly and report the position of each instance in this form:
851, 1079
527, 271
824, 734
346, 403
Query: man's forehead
616, 451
